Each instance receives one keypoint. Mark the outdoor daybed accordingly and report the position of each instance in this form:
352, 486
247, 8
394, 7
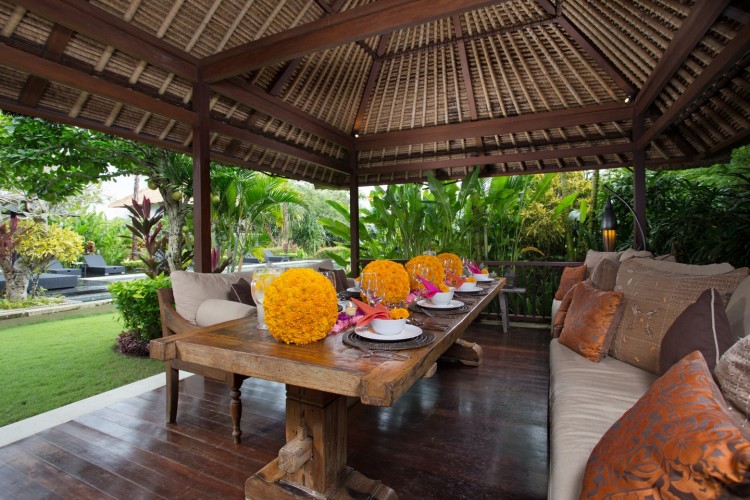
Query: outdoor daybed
50, 281
666, 311
204, 299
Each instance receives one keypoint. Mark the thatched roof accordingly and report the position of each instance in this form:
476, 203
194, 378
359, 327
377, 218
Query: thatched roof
391, 89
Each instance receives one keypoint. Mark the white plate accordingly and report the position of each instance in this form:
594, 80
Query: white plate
453, 304
409, 332
473, 290
485, 279
353, 290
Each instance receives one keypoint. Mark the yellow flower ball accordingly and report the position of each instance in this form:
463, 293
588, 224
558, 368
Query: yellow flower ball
398, 313
433, 270
443, 287
456, 267
394, 278
471, 279
301, 306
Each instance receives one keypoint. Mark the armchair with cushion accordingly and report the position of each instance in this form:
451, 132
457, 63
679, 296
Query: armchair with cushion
271, 257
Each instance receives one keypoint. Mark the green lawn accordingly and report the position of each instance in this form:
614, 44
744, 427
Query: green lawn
52, 363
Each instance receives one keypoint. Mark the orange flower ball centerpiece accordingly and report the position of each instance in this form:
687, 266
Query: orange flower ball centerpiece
392, 277
301, 306
432, 269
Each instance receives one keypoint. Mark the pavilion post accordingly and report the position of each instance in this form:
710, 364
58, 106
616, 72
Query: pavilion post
639, 184
201, 178
354, 211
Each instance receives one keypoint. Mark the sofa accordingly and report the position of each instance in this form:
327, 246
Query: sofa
609, 394
198, 300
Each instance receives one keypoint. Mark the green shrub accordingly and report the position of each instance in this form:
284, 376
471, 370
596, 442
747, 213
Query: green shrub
133, 265
139, 305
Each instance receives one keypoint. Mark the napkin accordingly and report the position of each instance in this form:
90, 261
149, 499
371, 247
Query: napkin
431, 289
458, 280
371, 313
474, 269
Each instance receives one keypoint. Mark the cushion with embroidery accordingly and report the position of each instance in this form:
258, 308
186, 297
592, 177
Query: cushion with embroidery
677, 441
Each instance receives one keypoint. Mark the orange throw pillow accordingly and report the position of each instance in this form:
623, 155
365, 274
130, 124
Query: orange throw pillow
677, 441
571, 276
591, 321
559, 321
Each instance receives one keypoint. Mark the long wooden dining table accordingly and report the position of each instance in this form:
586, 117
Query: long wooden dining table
319, 379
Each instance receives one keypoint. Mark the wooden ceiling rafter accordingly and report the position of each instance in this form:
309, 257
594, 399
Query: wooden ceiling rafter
735, 50
35, 86
376, 18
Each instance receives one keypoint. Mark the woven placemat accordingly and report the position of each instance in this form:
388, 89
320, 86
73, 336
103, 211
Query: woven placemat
439, 312
424, 339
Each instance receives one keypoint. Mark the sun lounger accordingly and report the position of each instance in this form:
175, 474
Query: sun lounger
95, 265
57, 268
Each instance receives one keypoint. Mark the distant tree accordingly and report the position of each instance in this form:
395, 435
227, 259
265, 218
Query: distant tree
41, 243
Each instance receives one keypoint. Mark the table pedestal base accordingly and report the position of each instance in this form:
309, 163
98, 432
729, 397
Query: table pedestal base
313, 463
467, 353
268, 483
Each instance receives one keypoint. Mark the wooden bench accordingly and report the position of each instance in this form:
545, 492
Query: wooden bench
171, 324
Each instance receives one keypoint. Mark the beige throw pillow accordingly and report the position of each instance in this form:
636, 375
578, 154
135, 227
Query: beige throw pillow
652, 300
733, 374
738, 310
215, 311
193, 289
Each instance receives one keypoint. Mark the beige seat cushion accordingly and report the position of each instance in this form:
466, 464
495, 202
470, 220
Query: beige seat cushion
192, 289
653, 298
214, 311
585, 399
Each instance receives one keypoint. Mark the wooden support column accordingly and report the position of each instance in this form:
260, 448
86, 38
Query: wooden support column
639, 184
354, 211
201, 178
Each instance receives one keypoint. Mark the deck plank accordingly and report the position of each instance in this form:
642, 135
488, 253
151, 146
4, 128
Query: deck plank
467, 432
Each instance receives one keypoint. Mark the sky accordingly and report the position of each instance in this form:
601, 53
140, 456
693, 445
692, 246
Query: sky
114, 190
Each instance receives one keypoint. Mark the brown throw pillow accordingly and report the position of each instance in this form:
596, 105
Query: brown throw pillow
571, 276
241, 293
604, 277
733, 374
562, 312
591, 321
702, 326
677, 441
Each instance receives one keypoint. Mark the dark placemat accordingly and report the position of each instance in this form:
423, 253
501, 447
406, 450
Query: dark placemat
424, 339
439, 312
478, 292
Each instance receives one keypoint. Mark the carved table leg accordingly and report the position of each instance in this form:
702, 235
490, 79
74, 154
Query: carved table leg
467, 353
235, 406
313, 463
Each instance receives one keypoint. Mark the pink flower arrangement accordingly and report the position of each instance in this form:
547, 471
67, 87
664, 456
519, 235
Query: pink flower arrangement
344, 322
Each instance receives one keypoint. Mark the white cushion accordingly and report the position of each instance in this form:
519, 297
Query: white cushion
585, 399
214, 311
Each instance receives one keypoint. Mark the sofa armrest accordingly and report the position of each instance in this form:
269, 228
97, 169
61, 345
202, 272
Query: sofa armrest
171, 321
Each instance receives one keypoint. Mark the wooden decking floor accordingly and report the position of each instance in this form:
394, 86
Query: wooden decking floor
465, 433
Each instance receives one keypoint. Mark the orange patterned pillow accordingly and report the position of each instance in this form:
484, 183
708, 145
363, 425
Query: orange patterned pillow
571, 276
591, 321
559, 320
677, 441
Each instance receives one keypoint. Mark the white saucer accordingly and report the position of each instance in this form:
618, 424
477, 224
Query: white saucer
484, 279
354, 290
473, 290
409, 332
453, 304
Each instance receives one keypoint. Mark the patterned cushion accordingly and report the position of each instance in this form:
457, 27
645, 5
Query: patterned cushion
604, 277
677, 441
702, 326
733, 374
571, 276
594, 258
562, 311
653, 298
591, 321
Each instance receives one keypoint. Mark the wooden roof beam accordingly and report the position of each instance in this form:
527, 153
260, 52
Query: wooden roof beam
522, 123
542, 154
89, 20
282, 147
372, 79
702, 16
260, 100
735, 50
375, 18
34, 87
64, 75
